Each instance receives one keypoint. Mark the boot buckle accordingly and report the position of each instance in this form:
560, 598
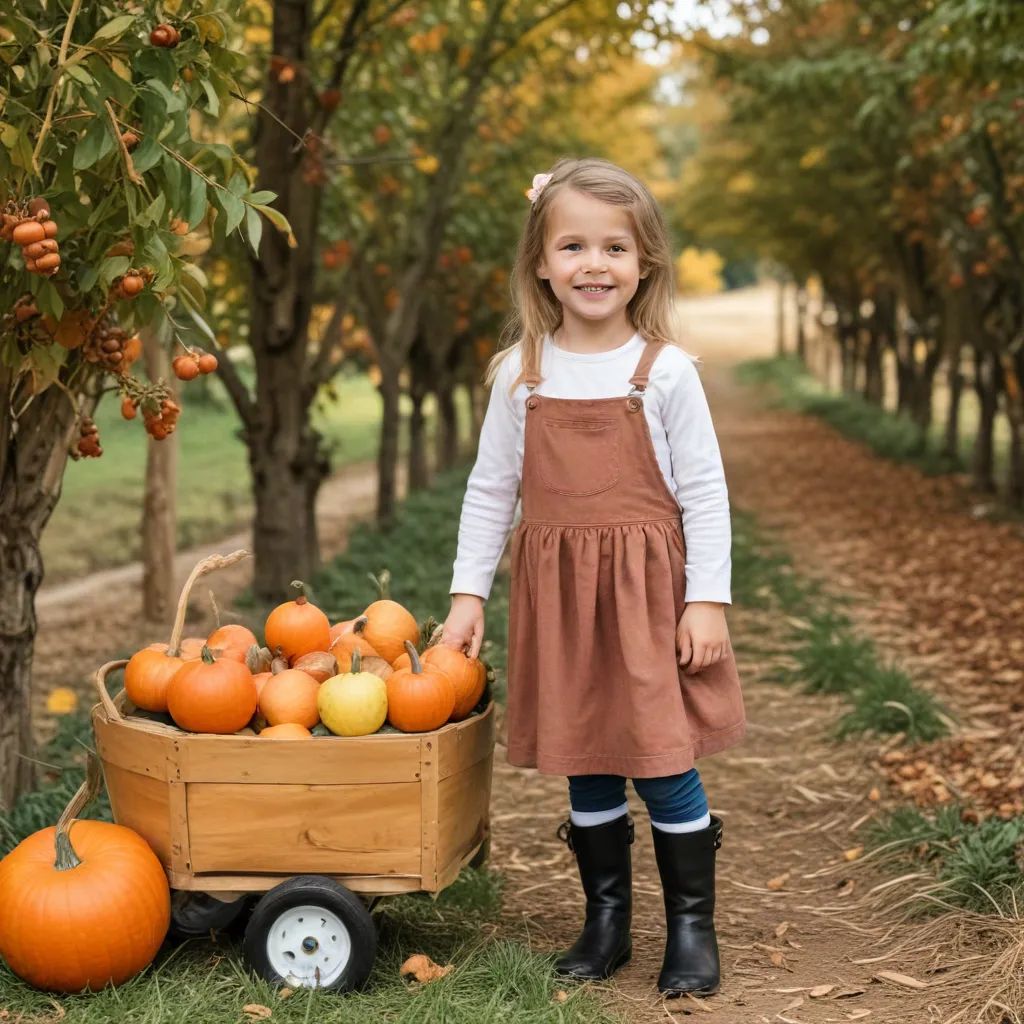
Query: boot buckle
632, 830
718, 839
565, 834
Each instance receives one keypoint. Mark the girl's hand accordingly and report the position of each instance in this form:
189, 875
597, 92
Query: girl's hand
702, 636
464, 626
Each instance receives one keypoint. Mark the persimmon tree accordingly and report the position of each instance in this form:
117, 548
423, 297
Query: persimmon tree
102, 184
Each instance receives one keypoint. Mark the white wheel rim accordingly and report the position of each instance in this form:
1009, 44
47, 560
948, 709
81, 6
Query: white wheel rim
309, 946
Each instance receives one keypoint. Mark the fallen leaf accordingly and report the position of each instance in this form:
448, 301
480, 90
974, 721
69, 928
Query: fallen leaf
901, 979
858, 1014
776, 958
854, 853
820, 990
874, 795
777, 883
781, 929
846, 888
847, 993
423, 969
561, 996
285, 993
794, 944
799, 1001
61, 701
254, 1011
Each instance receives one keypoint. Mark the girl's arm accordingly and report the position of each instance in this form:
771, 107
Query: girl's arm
487, 513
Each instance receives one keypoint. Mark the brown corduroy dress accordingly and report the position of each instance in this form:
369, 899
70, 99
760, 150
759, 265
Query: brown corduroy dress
598, 588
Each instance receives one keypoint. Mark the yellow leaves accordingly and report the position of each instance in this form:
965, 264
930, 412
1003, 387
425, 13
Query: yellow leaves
61, 701
698, 271
741, 184
853, 854
428, 42
465, 53
814, 156
775, 884
210, 28
428, 164
258, 35
422, 969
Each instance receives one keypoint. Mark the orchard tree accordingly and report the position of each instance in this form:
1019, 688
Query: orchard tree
102, 184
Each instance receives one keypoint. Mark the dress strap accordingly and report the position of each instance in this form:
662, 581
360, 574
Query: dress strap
531, 380
642, 373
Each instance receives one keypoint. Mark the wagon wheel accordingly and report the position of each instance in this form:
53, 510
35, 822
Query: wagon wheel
196, 913
310, 932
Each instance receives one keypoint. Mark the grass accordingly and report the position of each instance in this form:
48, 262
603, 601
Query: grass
495, 981
883, 431
980, 867
96, 523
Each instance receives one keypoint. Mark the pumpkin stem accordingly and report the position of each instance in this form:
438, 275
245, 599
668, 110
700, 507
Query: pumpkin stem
205, 566
357, 661
301, 588
65, 857
208, 658
382, 583
216, 610
414, 658
258, 659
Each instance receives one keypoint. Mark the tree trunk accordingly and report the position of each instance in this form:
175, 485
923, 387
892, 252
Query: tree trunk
33, 454
159, 506
387, 454
419, 473
780, 323
1016, 474
983, 461
447, 436
951, 440
801, 316
874, 384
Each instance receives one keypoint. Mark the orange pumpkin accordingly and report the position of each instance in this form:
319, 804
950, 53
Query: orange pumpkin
340, 628
260, 679
297, 627
232, 641
289, 697
82, 905
353, 640
191, 648
212, 695
285, 731
321, 665
465, 674
419, 699
388, 624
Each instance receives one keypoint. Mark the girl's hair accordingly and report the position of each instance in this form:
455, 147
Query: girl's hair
536, 311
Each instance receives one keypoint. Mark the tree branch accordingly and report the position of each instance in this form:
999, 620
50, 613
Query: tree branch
236, 389
320, 368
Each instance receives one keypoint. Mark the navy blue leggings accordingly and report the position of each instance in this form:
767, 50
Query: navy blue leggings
671, 800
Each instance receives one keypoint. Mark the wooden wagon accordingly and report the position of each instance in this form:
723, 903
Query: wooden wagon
322, 827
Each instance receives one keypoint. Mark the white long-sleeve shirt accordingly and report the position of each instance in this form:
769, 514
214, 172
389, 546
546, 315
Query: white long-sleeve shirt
684, 443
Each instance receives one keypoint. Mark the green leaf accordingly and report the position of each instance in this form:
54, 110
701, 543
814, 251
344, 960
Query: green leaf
264, 196
113, 29
196, 200
172, 101
155, 255
49, 301
192, 288
279, 220
254, 227
212, 102
238, 186
233, 207
194, 313
45, 363
153, 213
95, 144
112, 267
79, 74
147, 155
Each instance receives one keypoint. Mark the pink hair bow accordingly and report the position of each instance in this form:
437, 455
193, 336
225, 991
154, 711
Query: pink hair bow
539, 181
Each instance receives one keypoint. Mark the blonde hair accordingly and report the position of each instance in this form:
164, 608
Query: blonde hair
536, 310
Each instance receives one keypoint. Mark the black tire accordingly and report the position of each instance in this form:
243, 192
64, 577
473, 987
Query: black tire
358, 946
194, 914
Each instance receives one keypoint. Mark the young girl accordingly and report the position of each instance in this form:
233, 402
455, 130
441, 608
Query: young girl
620, 664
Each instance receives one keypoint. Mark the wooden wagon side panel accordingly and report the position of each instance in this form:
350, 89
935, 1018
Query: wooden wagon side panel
292, 829
463, 810
142, 804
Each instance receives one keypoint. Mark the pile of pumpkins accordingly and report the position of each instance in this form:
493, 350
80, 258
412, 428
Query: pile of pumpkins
310, 678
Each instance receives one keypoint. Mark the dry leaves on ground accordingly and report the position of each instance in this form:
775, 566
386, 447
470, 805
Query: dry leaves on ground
422, 969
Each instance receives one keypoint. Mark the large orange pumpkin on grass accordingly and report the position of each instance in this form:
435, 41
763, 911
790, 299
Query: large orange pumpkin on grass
419, 698
297, 627
289, 697
389, 625
82, 905
212, 695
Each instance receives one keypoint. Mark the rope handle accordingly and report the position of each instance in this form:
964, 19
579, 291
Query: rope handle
100, 682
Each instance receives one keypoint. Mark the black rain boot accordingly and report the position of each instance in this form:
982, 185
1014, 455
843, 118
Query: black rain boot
686, 862
602, 854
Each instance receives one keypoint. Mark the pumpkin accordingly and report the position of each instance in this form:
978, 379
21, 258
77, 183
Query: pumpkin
341, 628
212, 695
353, 640
260, 679
232, 641
419, 699
354, 704
388, 624
149, 672
84, 904
297, 627
465, 674
290, 697
321, 665
285, 731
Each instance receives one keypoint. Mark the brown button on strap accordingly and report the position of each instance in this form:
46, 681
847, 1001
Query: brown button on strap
532, 402
635, 404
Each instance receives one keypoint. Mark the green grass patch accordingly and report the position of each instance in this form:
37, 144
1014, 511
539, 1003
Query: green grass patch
981, 866
830, 658
762, 572
886, 433
888, 702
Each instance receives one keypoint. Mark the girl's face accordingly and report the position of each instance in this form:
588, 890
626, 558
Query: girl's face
591, 257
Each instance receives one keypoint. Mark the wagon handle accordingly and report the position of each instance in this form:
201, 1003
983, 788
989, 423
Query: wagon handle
100, 682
